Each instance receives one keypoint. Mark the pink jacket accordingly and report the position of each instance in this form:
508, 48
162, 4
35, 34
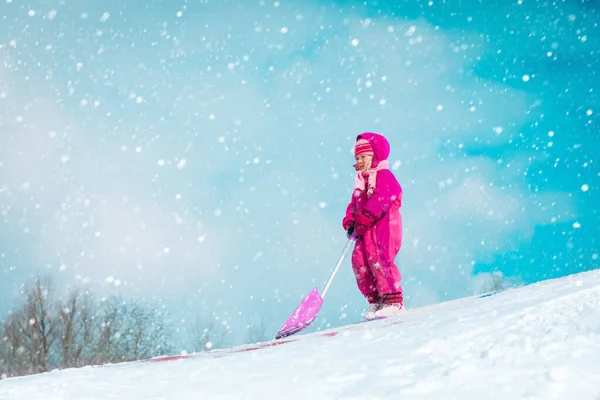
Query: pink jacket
387, 193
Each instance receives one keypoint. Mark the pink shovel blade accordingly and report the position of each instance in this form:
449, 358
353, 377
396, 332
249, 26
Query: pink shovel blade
303, 316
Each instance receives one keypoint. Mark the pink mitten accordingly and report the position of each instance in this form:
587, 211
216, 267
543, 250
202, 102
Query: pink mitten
363, 223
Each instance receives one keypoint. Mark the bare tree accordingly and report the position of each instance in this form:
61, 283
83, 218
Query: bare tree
106, 347
131, 331
37, 325
29, 332
42, 335
257, 331
205, 334
77, 326
13, 349
145, 330
3, 359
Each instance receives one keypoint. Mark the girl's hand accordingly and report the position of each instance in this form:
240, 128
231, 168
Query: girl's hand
348, 220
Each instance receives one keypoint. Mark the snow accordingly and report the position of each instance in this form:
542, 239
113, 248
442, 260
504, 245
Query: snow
540, 341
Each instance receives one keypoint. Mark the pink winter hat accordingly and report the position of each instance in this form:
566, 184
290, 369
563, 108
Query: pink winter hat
363, 147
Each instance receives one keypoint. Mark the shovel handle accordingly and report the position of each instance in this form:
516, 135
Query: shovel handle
337, 267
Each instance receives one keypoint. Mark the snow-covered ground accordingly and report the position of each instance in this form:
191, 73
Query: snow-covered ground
537, 342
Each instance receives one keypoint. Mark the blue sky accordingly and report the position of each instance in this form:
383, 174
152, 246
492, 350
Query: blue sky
199, 153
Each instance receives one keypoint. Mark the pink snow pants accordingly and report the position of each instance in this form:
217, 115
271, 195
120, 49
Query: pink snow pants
376, 272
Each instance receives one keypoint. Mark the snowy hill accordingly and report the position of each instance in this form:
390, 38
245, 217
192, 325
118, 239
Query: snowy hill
537, 342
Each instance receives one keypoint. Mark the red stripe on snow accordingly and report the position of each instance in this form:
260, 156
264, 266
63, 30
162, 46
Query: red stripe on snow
167, 358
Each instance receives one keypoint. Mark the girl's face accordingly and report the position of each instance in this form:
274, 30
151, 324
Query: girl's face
363, 162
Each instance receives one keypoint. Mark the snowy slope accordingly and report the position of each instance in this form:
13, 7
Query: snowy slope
537, 342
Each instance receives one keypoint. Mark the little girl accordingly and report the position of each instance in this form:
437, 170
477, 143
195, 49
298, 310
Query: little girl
373, 218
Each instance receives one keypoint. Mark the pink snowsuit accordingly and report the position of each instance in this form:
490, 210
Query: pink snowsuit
377, 275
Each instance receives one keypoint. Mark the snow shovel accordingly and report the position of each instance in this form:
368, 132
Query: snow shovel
308, 309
